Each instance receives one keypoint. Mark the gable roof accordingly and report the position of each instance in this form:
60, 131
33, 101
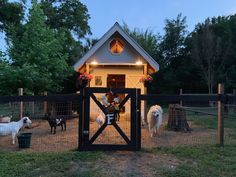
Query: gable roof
117, 28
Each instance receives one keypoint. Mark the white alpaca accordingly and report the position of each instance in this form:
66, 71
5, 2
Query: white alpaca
154, 119
14, 127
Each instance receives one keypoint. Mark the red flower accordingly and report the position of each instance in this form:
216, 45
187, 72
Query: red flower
146, 78
85, 76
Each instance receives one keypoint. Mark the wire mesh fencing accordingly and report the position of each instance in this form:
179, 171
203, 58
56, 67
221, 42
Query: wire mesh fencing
43, 139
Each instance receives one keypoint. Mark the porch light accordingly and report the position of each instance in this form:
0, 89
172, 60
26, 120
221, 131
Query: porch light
139, 63
94, 63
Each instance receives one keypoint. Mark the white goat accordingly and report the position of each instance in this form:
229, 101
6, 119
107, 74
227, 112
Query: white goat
5, 119
154, 119
14, 127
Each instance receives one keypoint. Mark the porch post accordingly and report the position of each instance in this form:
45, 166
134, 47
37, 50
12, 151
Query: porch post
87, 70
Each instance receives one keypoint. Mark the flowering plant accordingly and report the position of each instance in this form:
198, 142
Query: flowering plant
85, 76
146, 78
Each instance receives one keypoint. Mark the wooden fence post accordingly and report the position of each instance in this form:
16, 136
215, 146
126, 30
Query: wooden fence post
234, 94
221, 116
45, 103
20, 93
32, 105
181, 92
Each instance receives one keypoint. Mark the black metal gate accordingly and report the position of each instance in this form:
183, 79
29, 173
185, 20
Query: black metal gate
130, 140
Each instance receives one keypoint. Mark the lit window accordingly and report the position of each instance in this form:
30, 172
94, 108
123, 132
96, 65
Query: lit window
116, 46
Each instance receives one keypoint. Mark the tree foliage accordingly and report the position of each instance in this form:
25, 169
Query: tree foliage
210, 51
11, 14
173, 57
71, 18
38, 51
147, 39
173, 40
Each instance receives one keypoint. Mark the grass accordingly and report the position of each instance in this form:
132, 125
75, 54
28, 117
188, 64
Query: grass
196, 161
50, 164
202, 161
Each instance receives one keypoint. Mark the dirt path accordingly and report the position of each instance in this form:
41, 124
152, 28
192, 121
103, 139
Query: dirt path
43, 141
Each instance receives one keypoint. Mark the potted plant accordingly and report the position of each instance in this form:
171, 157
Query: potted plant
83, 80
146, 80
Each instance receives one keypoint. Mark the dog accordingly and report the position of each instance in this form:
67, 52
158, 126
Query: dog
154, 119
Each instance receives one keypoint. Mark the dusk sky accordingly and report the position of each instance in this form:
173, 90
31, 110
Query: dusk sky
150, 13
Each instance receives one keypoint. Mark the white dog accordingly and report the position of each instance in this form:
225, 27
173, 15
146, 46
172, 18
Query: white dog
154, 119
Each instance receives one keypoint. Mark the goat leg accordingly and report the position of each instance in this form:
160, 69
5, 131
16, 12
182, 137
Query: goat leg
55, 129
13, 138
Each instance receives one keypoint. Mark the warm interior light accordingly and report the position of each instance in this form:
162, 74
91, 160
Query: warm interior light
94, 63
139, 63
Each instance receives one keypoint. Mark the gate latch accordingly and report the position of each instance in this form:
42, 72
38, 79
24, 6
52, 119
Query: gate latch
85, 132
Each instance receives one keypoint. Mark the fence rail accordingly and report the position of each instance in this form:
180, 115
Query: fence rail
67, 97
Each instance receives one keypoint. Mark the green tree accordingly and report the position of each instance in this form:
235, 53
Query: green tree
11, 14
38, 58
147, 39
173, 41
173, 57
71, 18
210, 51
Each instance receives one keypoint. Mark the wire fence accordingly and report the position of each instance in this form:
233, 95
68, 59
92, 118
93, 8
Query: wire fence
42, 139
201, 119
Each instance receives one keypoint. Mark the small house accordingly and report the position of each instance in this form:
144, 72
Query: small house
117, 61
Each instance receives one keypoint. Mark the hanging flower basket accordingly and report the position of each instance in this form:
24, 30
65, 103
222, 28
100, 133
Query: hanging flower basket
147, 84
83, 80
146, 80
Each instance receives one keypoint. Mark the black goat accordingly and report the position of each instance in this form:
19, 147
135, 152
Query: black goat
54, 122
